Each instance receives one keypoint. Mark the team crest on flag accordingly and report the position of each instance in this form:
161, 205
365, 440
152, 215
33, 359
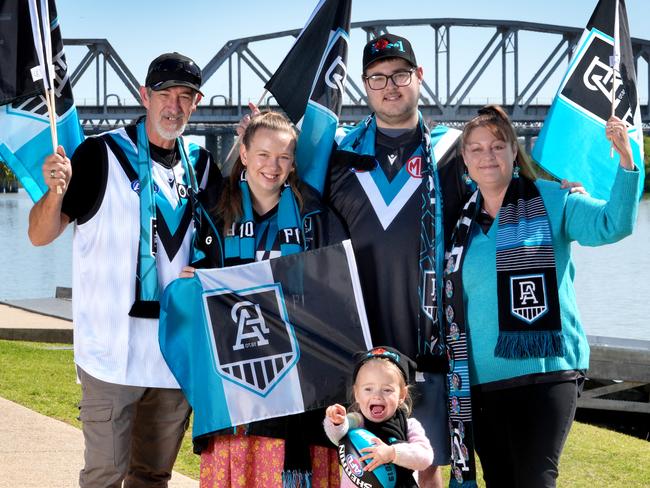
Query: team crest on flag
528, 297
601, 76
35, 106
258, 346
328, 90
590, 83
313, 100
265, 339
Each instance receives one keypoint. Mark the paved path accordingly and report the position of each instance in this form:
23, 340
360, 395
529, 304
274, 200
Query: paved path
21, 324
35, 450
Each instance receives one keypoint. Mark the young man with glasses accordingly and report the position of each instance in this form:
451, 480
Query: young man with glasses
399, 211
129, 193
383, 184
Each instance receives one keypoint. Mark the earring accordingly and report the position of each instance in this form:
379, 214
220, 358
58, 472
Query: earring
515, 170
466, 178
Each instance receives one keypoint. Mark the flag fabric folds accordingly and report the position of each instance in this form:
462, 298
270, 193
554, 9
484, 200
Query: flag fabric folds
309, 86
25, 137
572, 142
265, 339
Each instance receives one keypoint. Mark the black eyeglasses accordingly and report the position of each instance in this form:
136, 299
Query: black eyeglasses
399, 78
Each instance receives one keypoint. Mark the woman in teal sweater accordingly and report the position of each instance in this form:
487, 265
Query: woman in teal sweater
513, 325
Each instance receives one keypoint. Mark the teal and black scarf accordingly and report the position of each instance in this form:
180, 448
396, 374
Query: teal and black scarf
240, 242
431, 349
528, 304
147, 289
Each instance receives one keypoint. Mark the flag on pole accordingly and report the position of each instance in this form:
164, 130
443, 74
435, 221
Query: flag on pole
25, 137
265, 339
572, 142
309, 86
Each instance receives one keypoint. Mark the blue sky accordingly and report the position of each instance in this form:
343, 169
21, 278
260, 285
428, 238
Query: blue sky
139, 30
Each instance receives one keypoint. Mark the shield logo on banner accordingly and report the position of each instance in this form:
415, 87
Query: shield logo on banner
528, 297
591, 75
254, 344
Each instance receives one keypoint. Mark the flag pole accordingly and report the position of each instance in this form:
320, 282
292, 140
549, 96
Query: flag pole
615, 69
50, 94
50, 90
231, 157
45, 63
51, 110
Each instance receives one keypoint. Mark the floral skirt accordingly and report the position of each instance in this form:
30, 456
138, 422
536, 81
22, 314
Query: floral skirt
251, 461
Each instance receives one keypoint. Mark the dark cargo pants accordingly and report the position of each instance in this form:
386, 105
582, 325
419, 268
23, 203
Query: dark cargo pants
131, 433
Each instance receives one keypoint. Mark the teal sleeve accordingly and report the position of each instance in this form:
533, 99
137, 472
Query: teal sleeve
593, 222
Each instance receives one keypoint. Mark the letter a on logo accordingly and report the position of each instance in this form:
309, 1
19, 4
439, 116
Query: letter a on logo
528, 297
254, 344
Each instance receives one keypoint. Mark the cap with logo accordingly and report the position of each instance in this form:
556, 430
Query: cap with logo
388, 46
173, 69
405, 364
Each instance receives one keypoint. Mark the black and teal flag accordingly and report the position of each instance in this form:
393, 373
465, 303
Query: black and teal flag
572, 142
265, 339
310, 82
29, 30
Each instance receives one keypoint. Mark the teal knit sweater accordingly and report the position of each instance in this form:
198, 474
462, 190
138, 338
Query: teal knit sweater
573, 217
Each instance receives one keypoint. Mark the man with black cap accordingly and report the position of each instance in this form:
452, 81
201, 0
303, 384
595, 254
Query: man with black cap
129, 192
390, 180
398, 186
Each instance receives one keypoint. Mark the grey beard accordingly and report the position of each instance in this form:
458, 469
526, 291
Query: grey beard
170, 135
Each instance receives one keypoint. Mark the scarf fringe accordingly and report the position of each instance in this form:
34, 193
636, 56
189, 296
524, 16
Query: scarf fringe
296, 479
533, 344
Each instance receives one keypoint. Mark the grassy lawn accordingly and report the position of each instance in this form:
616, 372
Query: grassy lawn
41, 377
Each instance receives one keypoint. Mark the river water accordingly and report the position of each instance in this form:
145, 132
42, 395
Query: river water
612, 282
28, 271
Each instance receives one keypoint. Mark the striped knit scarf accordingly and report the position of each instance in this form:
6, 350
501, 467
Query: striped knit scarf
529, 313
529, 307
463, 469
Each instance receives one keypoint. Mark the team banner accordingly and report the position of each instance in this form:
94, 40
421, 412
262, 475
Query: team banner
309, 85
572, 142
25, 137
265, 339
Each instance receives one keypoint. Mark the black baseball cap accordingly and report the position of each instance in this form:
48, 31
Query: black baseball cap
405, 364
388, 46
173, 69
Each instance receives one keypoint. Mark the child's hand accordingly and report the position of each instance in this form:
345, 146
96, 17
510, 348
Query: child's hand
380, 454
336, 414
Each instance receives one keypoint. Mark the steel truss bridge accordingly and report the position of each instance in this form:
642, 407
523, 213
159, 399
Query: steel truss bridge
443, 99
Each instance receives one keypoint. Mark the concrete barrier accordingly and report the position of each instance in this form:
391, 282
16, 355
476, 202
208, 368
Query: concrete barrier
618, 376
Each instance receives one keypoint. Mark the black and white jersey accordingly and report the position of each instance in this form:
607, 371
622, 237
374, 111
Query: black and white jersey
380, 201
104, 204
